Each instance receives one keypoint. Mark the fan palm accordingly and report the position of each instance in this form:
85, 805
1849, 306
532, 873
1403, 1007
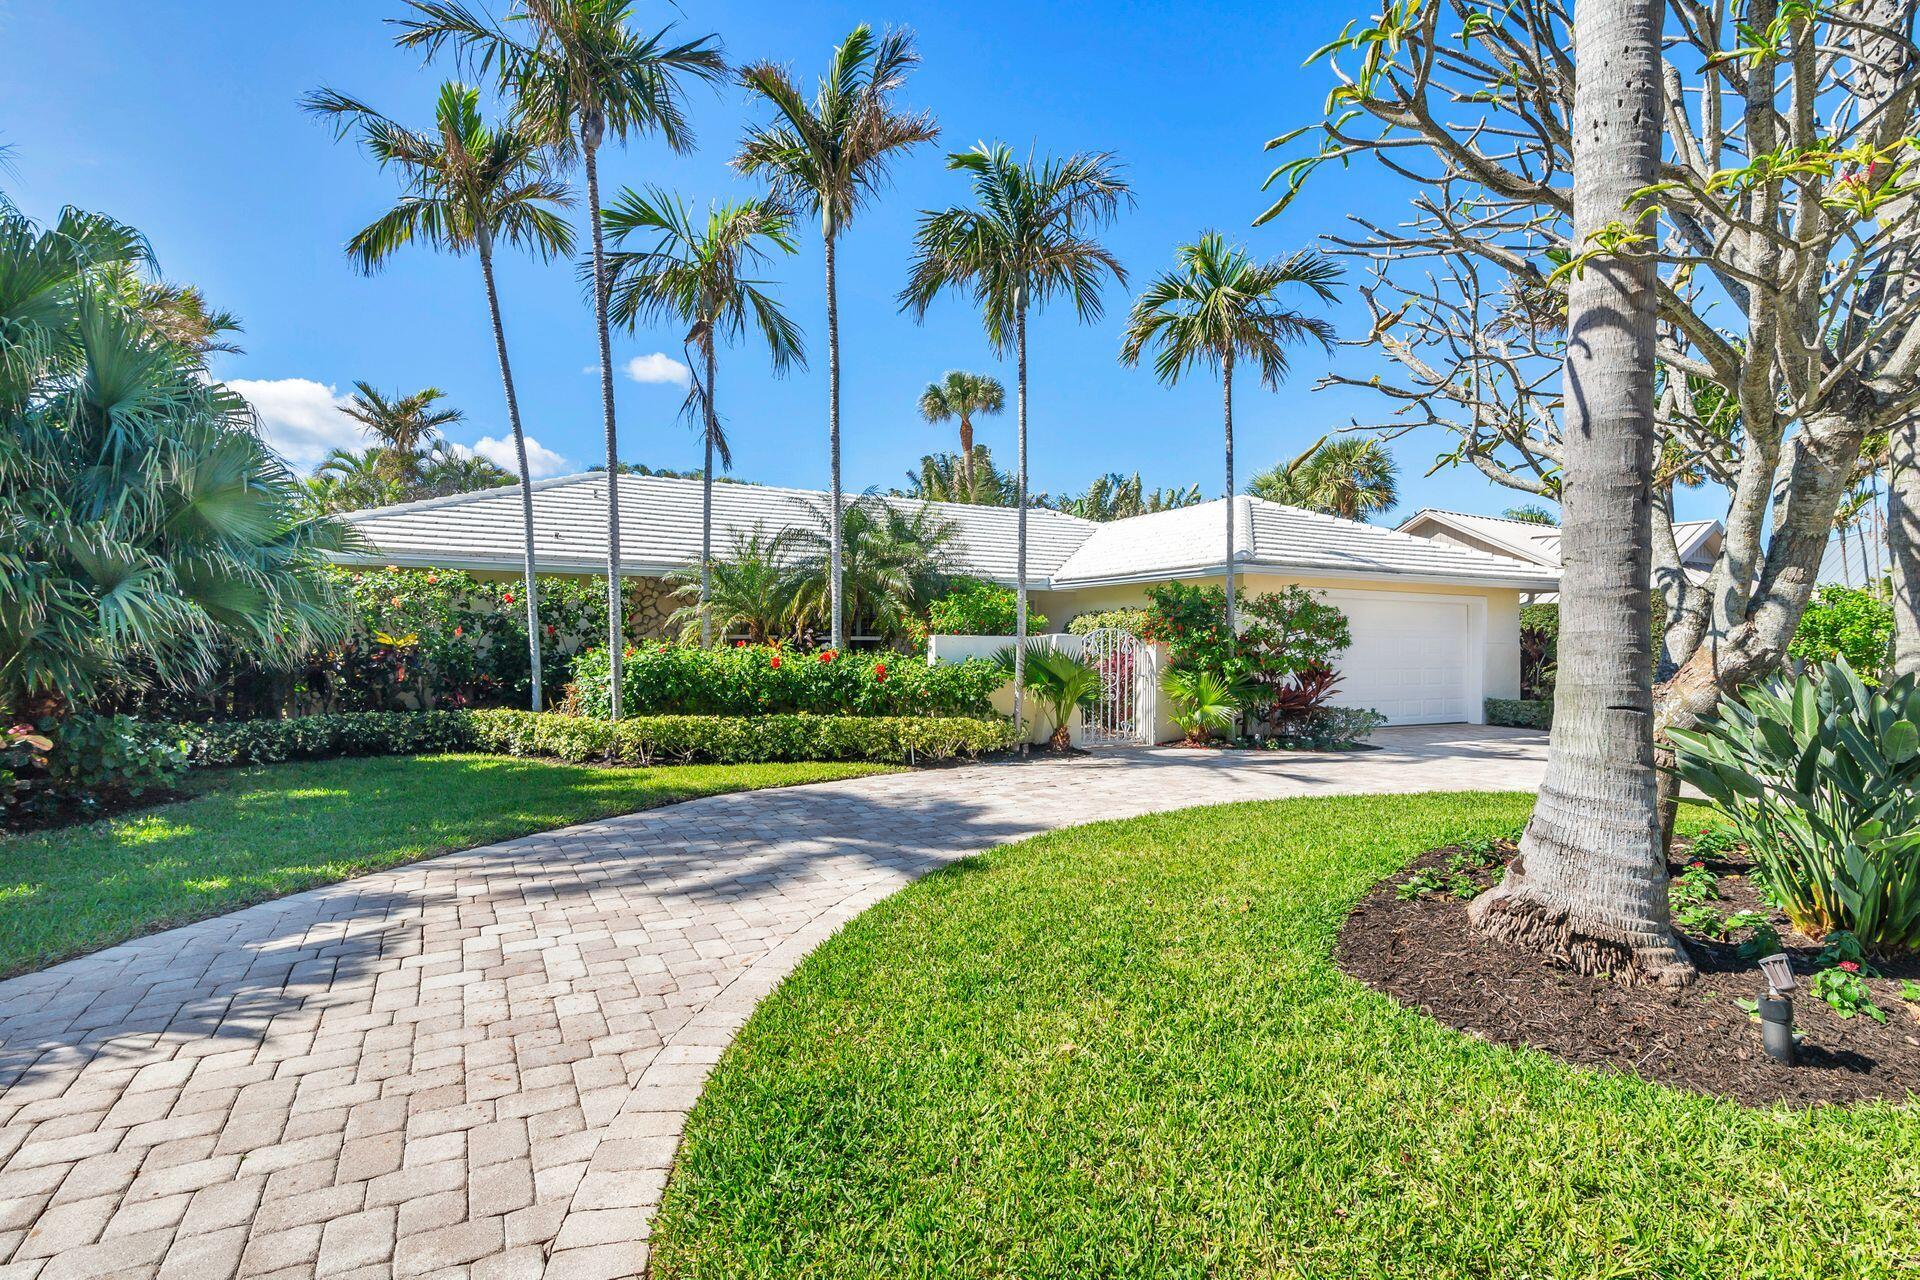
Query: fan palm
699, 274
894, 559
579, 74
143, 522
829, 156
1217, 306
1204, 702
1063, 683
466, 186
1353, 478
959, 396
405, 428
751, 591
976, 481
1027, 240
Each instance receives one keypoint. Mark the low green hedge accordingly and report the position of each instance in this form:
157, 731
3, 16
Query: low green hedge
763, 680
638, 740
1520, 713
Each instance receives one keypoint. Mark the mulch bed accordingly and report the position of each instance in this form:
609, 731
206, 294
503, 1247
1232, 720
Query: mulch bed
1423, 952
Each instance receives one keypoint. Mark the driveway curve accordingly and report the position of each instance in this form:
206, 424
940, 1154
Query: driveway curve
478, 1066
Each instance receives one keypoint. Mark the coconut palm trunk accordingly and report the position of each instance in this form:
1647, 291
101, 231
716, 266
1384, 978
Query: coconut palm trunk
590, 130
1589, 887
530, 588
712, 421
833, 439
1903, 544
1020, 527
1226, 395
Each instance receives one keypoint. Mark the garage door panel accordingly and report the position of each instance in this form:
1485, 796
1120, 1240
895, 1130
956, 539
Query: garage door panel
1409, 660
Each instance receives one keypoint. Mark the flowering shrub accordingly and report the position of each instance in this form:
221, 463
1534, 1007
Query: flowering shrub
974, 608
669, 679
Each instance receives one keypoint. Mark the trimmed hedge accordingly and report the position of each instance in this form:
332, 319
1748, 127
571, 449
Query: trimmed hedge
639, 740
763, 680
1520, 713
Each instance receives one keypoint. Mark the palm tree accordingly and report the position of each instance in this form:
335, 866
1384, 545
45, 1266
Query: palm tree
578, 74
1217, 306
1590, 885
894, 561
1115, 496
465, 187
449, 470
698, 275
147, 524
1028, 240
405, 428
1354, 478
960, 396
974, 481
829, 156
355, 479
752, 590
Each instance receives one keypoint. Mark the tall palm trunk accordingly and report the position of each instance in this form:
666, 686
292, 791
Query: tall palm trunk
530, 589
1226, 383
1589, 887
833, 436
616, 633
706, 509
1020, 535
1903, 543
966, 454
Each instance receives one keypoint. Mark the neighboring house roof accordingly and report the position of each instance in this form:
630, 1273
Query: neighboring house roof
660, 532
660, 527
1856, 556
1699, 540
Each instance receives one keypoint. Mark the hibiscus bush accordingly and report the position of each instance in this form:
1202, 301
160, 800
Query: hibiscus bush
757, 680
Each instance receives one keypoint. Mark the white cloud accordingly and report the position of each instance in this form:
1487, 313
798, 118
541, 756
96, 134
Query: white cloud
300, 418
658, 367
541, 461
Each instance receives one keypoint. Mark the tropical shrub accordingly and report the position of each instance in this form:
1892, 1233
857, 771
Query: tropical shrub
1132, 621
70, 763
646, 740
1061, 682
974, 608
1283, 633
1288, 703
1848, 623
1539, 646
1328, 729
1818, 774
350, 733
1191, 621
1520, 713
754, 680
1204, 702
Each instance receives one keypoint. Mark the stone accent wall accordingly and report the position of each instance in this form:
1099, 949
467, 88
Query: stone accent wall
650, 603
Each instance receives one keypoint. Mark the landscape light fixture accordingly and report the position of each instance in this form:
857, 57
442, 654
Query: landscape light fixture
1776, 1009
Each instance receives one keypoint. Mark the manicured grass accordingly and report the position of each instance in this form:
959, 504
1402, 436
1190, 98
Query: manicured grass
250, 834
1124, 1050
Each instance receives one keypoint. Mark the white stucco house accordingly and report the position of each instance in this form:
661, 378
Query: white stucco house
1698, 540
1435, 622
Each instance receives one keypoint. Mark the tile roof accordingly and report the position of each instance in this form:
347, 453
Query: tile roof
1541, 542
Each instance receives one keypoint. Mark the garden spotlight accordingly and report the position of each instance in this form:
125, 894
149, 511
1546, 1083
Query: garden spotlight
1776, 1010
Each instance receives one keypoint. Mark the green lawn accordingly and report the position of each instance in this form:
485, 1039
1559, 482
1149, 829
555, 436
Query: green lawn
1124, 1050
246, 835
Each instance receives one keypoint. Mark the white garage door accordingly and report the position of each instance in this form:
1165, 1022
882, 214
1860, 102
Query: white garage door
1409, 661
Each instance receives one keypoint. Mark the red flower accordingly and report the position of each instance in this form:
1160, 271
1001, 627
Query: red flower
507, 597
739, 644
879, 671
432, 578
776, 662
1851, 966
549, 628
458, 632
827, 655
1696, 865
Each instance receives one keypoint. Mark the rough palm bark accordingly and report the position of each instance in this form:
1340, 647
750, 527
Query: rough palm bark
1903, 544
590, 130
833, 437
1226, 395
712, 431
530, 586
1020, 526
1589, 887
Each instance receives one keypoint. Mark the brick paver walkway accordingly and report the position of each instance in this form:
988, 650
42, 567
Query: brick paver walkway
478, 1066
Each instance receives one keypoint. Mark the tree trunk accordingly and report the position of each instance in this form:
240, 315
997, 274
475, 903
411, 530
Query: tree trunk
616, 633
1226, 384
706, 507
1589, 887
833, 438
966, 454
1020, 534
531, 586
1903, 543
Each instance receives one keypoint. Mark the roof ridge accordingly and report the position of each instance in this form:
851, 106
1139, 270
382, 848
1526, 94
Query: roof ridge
471, 495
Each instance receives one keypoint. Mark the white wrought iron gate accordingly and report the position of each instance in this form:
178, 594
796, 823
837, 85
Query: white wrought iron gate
1124, 712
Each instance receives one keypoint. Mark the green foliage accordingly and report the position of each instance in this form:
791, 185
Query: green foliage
322, 737
1326, 729
1846, 993
1848, 623
1284, 632
1191, 620
974, 608
86, 758
1818, 774
655, 739
1354, 478
1520, 713
1205, 702
1063, 683
1132, 621
755, 680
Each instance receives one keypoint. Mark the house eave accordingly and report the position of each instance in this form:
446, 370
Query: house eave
1514, 583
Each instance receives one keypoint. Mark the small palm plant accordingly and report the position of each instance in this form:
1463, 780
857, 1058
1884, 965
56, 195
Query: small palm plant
1204, 702
1062, 683
751, 591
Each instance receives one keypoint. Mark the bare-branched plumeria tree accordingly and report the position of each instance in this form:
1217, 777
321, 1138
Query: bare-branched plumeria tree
1784, 246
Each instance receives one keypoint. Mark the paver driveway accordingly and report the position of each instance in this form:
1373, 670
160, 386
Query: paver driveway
478, 1065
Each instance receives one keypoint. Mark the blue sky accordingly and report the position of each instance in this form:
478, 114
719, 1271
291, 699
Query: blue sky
182, 118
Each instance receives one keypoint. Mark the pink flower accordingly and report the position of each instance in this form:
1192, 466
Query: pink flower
1851, 966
